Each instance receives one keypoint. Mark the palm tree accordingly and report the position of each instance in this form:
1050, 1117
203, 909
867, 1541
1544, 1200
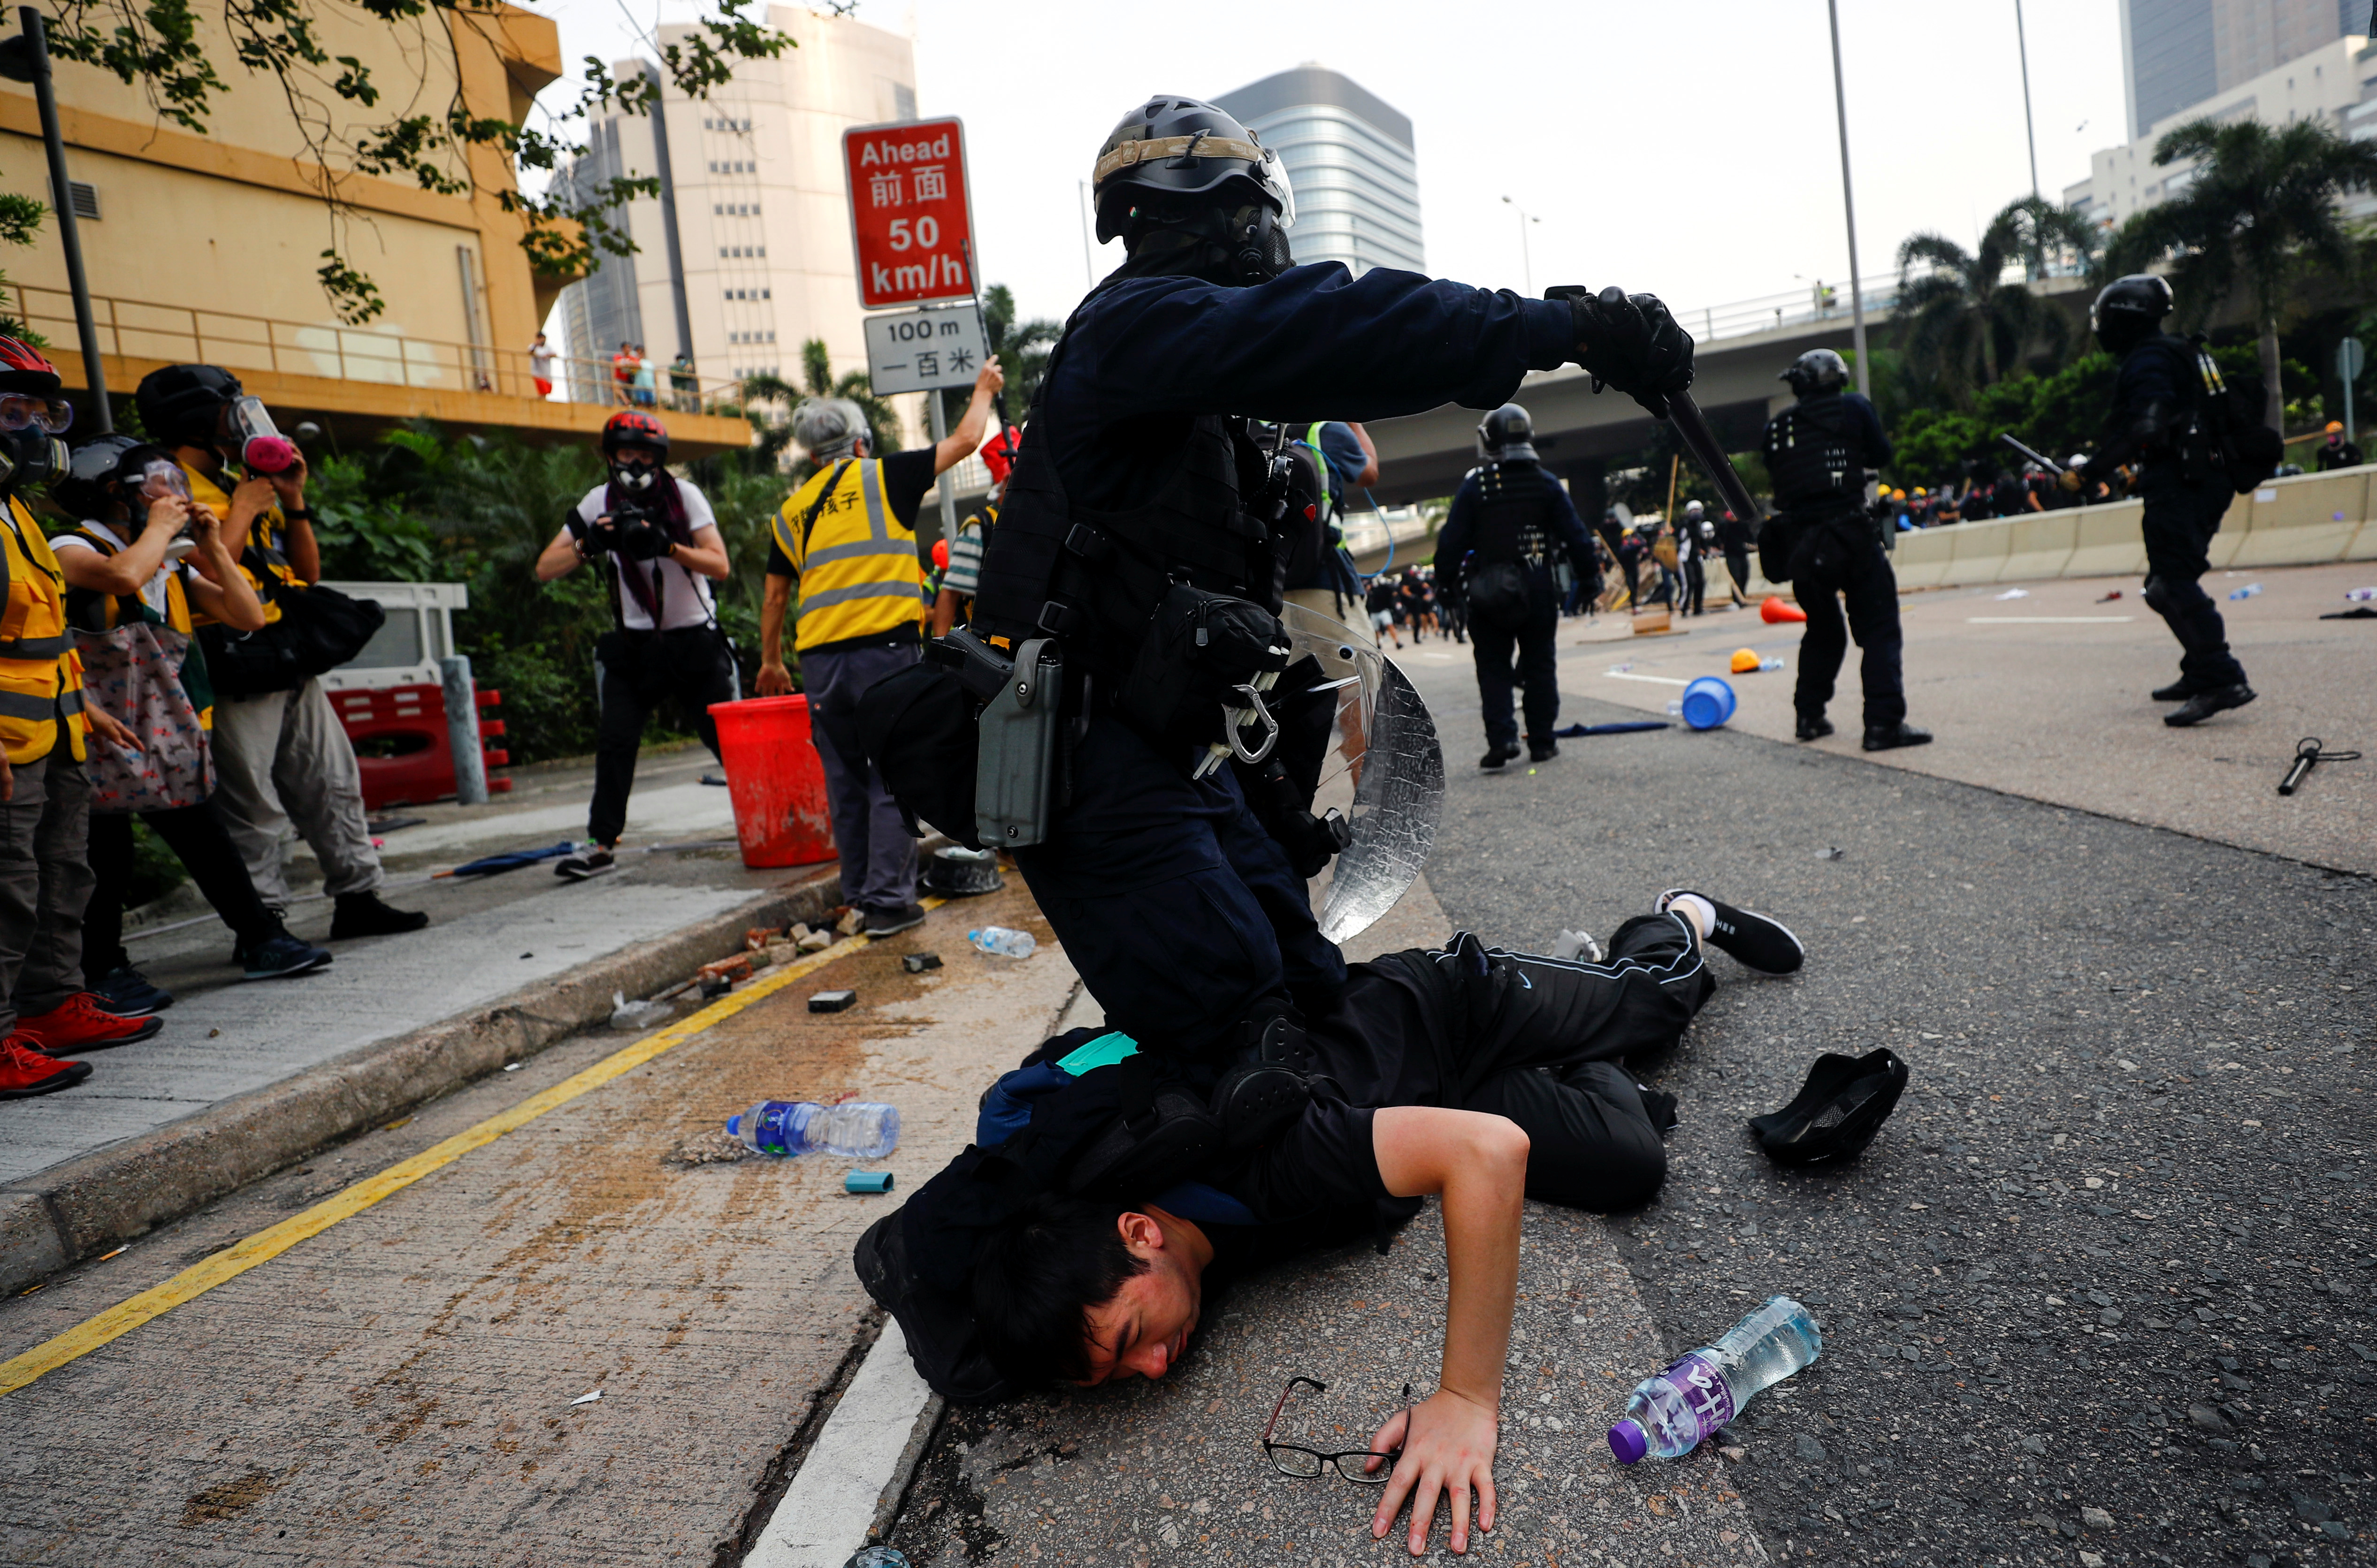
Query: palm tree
2259, 207
768, 404
1966, 325
1021, 349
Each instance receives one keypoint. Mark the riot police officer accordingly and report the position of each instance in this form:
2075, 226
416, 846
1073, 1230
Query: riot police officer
1496, 551
1131, 538
2182, 481
1817, 452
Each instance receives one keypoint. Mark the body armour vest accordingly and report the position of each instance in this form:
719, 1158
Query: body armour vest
1812, 456
1094, 577
1511, 514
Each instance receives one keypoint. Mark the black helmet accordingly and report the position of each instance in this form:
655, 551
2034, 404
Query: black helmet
2130, 310
1508, 435
98, 463
182, 404
1176, 156
1817, 371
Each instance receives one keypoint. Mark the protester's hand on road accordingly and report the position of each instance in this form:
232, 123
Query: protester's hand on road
776, 681
109, 729
1448, 1447
1629, 342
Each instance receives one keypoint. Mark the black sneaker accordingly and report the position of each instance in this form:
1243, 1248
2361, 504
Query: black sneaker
891, 922
1814, 728
591, 863
1762, 943
2177, 691
126, 993
1497, 755
1542, 750
279, 957
2203, 704
362, 914
1890, 737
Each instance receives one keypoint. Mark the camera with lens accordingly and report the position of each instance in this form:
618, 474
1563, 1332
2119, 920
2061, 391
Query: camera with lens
630, 531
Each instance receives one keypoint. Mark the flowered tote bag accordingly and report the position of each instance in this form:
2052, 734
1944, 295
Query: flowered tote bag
133, 674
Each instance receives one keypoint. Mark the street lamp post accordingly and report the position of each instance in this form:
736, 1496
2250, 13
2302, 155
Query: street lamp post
2022, 44
1848, 207
1526, 258
26, 58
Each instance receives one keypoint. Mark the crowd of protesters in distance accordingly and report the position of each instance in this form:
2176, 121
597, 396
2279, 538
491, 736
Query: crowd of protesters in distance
168, 637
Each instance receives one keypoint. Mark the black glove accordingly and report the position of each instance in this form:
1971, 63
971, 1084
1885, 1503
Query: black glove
643, 540
1630, 342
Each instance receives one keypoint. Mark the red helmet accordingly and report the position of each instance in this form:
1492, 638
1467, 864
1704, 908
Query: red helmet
24, 368
999, 456
633, 427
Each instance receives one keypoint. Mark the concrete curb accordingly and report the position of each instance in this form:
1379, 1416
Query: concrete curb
84, 1205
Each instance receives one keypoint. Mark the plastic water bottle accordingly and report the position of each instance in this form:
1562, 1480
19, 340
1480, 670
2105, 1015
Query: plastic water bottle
2247, 592
1001, 941
855, 1129
2360, 593
1669, 1413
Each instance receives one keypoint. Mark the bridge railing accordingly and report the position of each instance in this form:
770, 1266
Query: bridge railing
1815, 305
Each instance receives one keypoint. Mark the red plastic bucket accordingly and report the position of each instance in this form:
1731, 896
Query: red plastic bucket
776, 780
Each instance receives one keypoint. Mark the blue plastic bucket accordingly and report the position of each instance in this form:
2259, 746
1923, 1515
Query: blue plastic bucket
1708, 703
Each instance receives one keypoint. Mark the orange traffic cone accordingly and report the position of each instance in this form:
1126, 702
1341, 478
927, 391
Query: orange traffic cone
1775, 611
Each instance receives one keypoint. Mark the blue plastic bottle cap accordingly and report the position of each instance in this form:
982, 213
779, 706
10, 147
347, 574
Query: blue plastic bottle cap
734, 1125
867, 1181
1629, 1443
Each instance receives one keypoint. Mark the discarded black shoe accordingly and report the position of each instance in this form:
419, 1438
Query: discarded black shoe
1814, 728
1890, 737
1835, 1115
2203, 704
362, 914
1756, 939
2177, 691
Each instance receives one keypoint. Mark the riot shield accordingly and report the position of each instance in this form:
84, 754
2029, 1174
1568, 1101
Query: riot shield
1384, 770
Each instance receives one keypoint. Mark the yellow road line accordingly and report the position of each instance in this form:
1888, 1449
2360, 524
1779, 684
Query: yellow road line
268, 1244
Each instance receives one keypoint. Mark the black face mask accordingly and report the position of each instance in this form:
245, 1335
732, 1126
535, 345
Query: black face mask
634, 478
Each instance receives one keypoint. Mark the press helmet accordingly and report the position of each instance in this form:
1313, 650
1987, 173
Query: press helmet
2129, 311
1817, 372
633, 427
1508, 435
1174, 158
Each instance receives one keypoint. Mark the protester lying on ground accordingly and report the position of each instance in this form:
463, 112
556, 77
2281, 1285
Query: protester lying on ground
131, 589
1060, 1248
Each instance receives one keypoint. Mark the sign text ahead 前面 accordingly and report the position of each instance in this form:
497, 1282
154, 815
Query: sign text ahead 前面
911, 221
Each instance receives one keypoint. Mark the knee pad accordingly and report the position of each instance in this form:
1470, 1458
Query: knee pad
2158, 596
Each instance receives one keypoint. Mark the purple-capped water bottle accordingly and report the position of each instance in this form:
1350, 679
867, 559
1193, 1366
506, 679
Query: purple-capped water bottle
1669, 1413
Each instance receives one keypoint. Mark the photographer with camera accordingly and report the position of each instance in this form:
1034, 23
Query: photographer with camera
658, 539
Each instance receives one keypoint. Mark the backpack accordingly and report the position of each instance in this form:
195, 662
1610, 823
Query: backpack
2228, 417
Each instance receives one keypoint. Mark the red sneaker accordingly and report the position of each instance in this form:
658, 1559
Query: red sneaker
79, 1023
24, 1073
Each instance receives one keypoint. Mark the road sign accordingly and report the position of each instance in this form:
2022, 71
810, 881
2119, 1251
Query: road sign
911, 218
916, 350
2350, 358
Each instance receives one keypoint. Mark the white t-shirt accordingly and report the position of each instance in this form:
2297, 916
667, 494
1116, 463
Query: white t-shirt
540, 361
685, 595
152, 592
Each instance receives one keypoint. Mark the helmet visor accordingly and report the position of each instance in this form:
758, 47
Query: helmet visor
55, 415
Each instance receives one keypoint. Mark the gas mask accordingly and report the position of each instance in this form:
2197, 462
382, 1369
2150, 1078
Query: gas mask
1258, 245
30, 452
262, 448
636, 478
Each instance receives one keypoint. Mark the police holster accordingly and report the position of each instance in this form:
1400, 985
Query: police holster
1015, 767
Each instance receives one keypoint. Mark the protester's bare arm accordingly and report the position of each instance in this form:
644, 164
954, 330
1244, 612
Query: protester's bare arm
130, 569
1370, 474
706, 555
774, 679
960, 443
560, 558
218, 588
1479, 1163
945, 612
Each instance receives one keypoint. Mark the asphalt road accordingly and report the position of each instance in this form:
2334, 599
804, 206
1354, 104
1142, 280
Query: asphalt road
2100, 1291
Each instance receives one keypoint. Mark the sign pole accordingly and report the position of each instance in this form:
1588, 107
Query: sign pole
2349, 360
948, 481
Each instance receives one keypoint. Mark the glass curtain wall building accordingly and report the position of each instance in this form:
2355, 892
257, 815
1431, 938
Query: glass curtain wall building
2176, 54
1349, 157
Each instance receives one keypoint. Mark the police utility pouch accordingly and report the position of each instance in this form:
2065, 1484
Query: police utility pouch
1015, 769
1198, 645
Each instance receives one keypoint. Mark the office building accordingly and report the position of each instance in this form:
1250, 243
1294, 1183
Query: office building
1349, 158
2177, 53
745, 253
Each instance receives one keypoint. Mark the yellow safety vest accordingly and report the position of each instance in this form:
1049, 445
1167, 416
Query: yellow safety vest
860, 578
261, 543
41, 673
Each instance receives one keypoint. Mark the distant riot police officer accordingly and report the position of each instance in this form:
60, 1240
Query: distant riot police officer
2180, 479
1817, 452
1137, 539
1496, 544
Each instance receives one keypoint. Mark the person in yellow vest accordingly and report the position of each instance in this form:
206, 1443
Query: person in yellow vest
120, 572
847, 541
45, 794
281, 757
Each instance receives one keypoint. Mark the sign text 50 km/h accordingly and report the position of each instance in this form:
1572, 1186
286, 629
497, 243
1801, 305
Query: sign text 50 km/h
911, 220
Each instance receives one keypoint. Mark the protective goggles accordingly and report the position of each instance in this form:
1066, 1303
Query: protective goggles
19, 413
163, 480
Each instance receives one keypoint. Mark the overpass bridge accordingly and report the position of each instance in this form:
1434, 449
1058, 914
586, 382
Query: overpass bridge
1741, 349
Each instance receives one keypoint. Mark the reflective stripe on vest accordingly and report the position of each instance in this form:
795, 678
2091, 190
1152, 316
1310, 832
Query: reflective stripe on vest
41, 675
1327, 474
859, 572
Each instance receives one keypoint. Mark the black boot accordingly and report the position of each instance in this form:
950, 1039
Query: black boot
2203, 704
1813, 726
1542, 750
1890, 737
362, 914
2178, 690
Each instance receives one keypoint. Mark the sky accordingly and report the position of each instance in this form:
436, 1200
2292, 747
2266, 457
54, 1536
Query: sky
1690, 149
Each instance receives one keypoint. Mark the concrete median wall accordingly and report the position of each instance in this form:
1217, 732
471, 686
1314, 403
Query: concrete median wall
2304, 520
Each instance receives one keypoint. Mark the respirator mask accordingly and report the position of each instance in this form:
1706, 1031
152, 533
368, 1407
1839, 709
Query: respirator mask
636, 478
163, 480
262, 448
30, 452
